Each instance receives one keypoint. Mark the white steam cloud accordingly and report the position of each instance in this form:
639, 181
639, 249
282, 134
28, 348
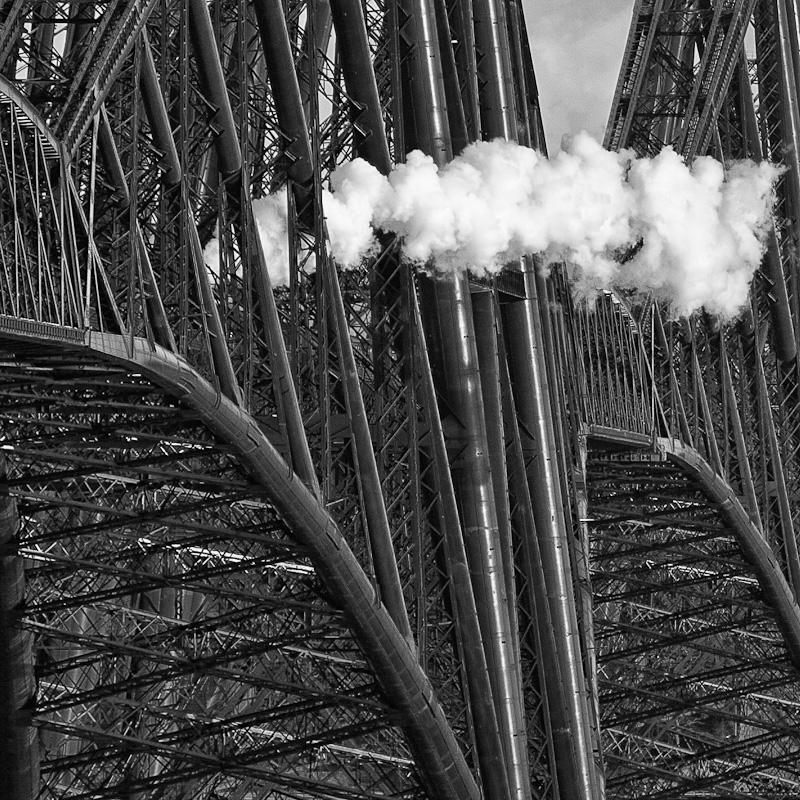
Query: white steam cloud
271, 216
693, 235
700, 234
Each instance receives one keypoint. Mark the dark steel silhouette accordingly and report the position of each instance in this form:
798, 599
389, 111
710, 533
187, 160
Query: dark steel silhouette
378, 533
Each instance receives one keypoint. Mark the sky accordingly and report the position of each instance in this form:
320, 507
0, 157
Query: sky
577, 48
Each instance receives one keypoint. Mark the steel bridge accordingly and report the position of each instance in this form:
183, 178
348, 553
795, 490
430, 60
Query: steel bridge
375, 534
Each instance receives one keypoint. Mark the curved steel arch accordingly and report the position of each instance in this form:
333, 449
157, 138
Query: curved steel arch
750, 540
407, 688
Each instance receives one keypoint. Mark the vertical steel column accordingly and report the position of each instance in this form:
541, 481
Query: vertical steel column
528, 358
527, 365
283, 380
498, 119
431, 126
510, 691
495, 78
462, 31
110, 156
224, 373
488, 744
157, 115
285, 88
156, 314
541, 633
485, 317
460, 384
742, 456
781, 489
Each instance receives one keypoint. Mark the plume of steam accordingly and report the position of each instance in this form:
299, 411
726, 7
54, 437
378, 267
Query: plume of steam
271, 216
697, 233
701, 233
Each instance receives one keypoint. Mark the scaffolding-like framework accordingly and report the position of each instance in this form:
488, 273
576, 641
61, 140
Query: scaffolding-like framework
378, 533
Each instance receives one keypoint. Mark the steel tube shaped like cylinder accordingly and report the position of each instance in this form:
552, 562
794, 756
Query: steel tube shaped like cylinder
460, 383
472, 479
220, 356
509, 689
431, 125
156, 112
359, 79
285, 392
285, 87
489, 750
498, 117
229, 154
111, 160
526, 364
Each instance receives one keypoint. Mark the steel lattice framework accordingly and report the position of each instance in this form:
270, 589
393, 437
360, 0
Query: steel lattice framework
376, 534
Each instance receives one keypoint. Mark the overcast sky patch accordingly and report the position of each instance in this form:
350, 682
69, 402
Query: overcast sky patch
577, 49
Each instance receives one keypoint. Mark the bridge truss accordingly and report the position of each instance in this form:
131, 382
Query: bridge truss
372, 533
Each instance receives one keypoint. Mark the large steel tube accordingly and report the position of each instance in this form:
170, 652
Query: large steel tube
460, 384
316, 41
529, 562
459, 135
450, 314
384, 561
156, 313
490, 753
531, 395
485, 317
790, 107
568, 696
430, 125
157, 116
212, 81
779, 476
462, 31
285, 88
359, 79
19, 749
778, 302
509, 690
498, 116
